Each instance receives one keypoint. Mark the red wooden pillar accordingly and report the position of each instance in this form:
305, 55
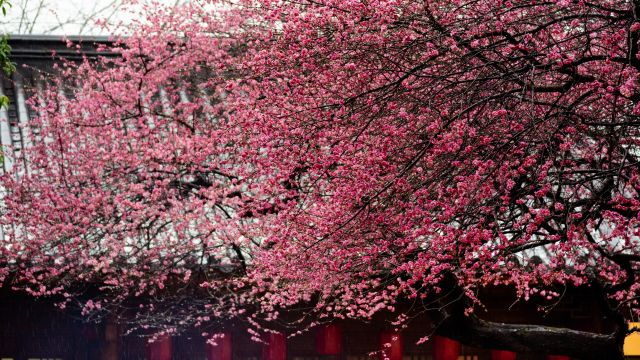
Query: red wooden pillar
390, 345
222, 350
445, 348
503, 355
558, 357
161, 349
275, 348
329, 340
110, 349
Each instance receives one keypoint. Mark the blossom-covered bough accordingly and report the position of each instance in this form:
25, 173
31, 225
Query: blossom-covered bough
353, 155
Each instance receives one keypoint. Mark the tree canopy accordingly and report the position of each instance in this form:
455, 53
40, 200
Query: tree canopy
352, 154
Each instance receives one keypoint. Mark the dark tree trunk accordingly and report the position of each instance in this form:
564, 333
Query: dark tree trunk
452, 322
471, 330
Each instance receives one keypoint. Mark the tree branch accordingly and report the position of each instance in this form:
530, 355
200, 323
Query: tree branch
474, 331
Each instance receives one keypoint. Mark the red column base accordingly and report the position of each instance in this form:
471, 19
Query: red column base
161, 349
329, 340
503, 355
222, 350
390, 346
445, 348
275, 348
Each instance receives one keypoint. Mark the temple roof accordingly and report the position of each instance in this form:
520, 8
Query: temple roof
34, 56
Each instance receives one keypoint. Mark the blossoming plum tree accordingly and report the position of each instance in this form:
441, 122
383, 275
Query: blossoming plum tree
352, 154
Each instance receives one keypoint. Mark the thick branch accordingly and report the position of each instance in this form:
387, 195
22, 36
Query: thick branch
531, 338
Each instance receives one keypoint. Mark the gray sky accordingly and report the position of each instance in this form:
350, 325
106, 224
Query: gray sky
63, 17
